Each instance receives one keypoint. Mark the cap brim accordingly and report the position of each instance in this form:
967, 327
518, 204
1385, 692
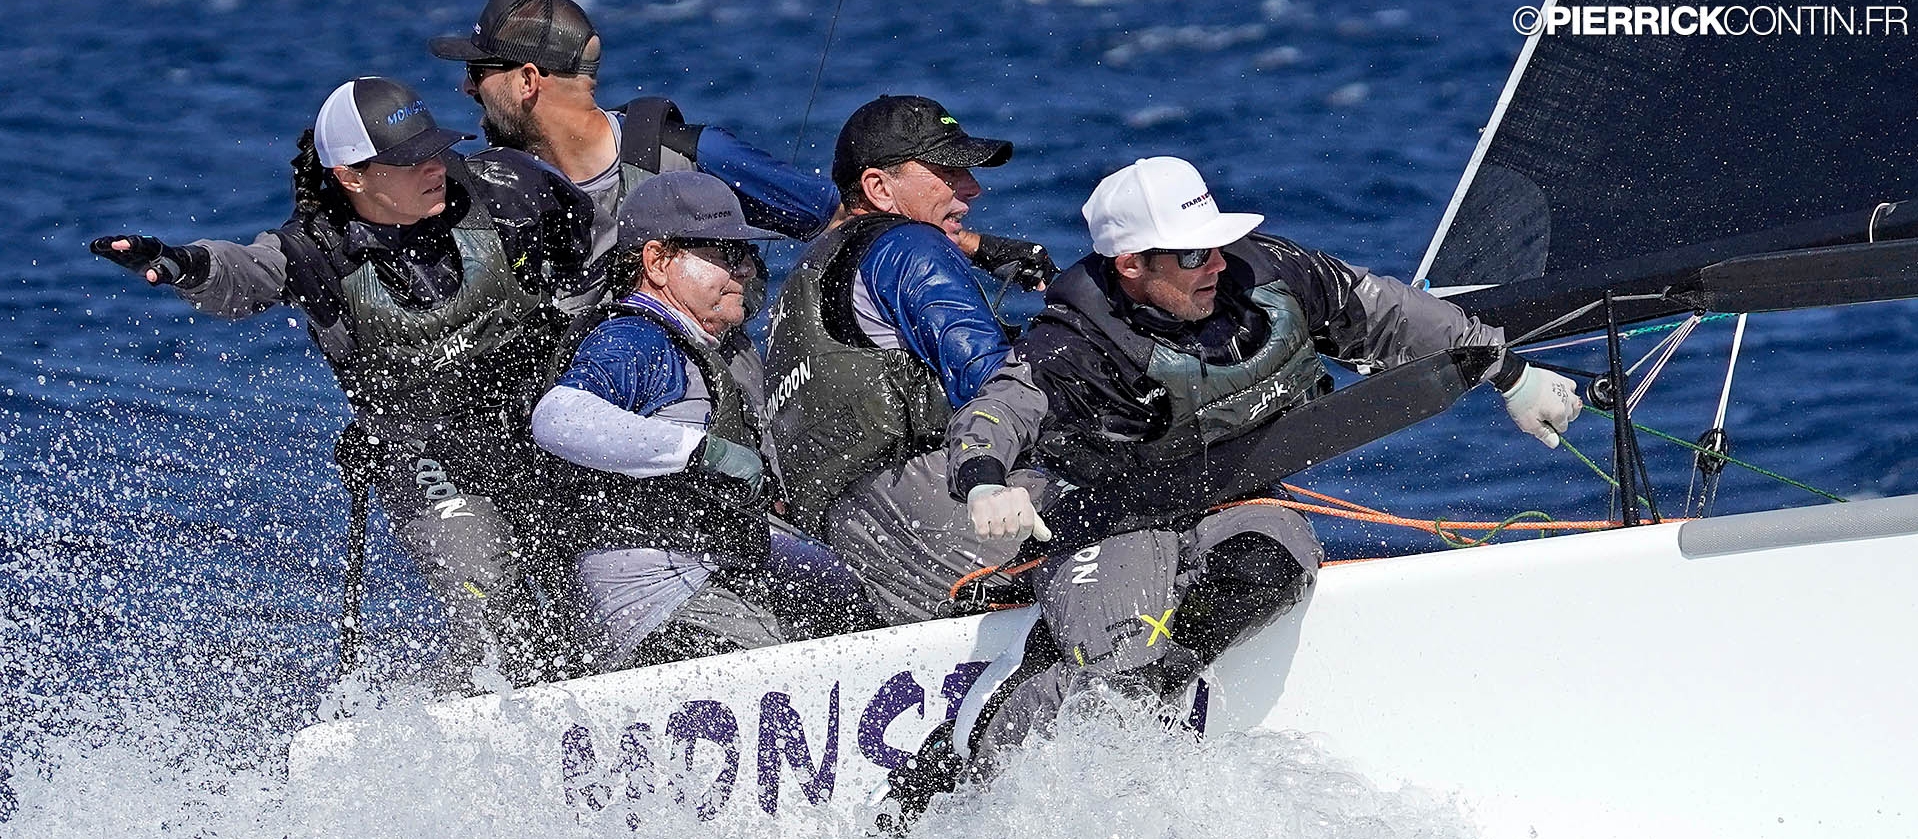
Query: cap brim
735, 231
967, 152
1221, 231
419, 147
457, 48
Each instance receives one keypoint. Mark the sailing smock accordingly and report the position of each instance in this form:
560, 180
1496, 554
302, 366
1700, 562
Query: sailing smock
1110, 386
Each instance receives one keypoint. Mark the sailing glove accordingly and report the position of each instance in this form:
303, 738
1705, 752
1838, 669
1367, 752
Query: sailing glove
1543, 403
715, 454
158, 262
999, 511
1026, 263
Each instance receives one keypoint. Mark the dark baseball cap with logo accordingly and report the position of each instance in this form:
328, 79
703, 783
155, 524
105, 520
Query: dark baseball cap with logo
894, 129
683, 205
378, 120
548, 34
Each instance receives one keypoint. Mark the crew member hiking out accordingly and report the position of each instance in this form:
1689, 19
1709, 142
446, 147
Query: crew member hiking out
665, 481
427, 280
1183, 330
880, 330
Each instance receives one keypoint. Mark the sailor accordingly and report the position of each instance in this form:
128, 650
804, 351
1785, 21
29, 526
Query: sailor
427, 279
879, 332
1182, 330
532, 65
667, 485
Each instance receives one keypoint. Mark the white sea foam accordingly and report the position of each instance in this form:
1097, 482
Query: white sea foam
1098, 778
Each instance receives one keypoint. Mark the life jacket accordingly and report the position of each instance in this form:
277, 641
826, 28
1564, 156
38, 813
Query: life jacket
483, 348
691, 510
644, 147
841, 406
1209, 402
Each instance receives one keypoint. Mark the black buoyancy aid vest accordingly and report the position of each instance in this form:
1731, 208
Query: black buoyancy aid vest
483, 348
1210, 403
841, 406
691, 510
644, 150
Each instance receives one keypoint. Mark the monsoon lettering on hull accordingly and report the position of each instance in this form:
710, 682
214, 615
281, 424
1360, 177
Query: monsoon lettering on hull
695, 759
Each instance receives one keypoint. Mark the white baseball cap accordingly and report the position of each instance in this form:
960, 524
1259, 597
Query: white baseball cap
380, 120
1160, 202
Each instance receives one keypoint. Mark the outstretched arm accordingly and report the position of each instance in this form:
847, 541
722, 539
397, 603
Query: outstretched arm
225, 279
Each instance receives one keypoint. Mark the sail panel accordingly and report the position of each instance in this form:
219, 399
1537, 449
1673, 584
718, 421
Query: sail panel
1629, 163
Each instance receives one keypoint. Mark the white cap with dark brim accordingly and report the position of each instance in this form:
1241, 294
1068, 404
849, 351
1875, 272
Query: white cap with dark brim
1160, 202
378, 120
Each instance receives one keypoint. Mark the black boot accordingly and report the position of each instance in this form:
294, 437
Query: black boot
935, 770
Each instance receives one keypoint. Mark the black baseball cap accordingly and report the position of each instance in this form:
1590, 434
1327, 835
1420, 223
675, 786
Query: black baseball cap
548, 34
683, 205
378, 120
894, 129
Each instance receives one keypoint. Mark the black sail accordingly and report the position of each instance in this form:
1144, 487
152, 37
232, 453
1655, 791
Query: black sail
1632, 163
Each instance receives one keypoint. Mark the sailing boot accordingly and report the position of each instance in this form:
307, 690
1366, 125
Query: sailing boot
935, 770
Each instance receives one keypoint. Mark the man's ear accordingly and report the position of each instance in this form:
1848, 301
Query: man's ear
527, 83
878, 189
351, 179
1129, 265
655, 259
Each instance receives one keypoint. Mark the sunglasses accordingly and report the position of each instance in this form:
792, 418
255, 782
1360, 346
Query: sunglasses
1189, 258
477, 71
733, 253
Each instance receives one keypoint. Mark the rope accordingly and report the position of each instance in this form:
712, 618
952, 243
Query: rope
1629, 333
1669, 347
1724, 457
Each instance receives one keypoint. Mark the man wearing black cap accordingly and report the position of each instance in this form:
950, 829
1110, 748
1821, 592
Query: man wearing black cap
879, 333
532, 65
429, 289
668, 475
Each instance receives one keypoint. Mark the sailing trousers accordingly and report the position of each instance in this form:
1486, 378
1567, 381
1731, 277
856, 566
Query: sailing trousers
1141, 614
656, 605
900, 529
464, 501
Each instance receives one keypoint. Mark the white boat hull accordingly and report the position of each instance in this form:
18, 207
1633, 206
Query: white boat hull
1597, 685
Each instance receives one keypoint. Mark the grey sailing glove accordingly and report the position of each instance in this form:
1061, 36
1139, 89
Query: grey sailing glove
715, 454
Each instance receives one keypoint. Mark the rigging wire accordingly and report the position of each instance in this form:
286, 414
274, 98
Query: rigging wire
817, 74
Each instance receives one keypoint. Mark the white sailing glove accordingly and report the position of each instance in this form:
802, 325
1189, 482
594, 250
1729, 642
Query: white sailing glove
999, 511
1543, 403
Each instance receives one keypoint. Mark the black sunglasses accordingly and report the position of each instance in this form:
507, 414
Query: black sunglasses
1189, 258
732, 252
477, 71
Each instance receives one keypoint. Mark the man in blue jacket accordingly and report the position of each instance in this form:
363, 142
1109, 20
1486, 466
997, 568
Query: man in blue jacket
665, 483
882, 329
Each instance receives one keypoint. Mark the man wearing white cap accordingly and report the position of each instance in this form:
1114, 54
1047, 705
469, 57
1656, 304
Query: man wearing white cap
1184, 329
427, 279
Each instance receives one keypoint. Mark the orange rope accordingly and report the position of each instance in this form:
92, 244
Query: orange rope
1429, 526
1349, 510
953, 593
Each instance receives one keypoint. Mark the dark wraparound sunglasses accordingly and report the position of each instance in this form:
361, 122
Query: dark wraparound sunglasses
477, 71
732, 252
1189, 258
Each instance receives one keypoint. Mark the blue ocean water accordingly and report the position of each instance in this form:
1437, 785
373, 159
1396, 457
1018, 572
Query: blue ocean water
171, 529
